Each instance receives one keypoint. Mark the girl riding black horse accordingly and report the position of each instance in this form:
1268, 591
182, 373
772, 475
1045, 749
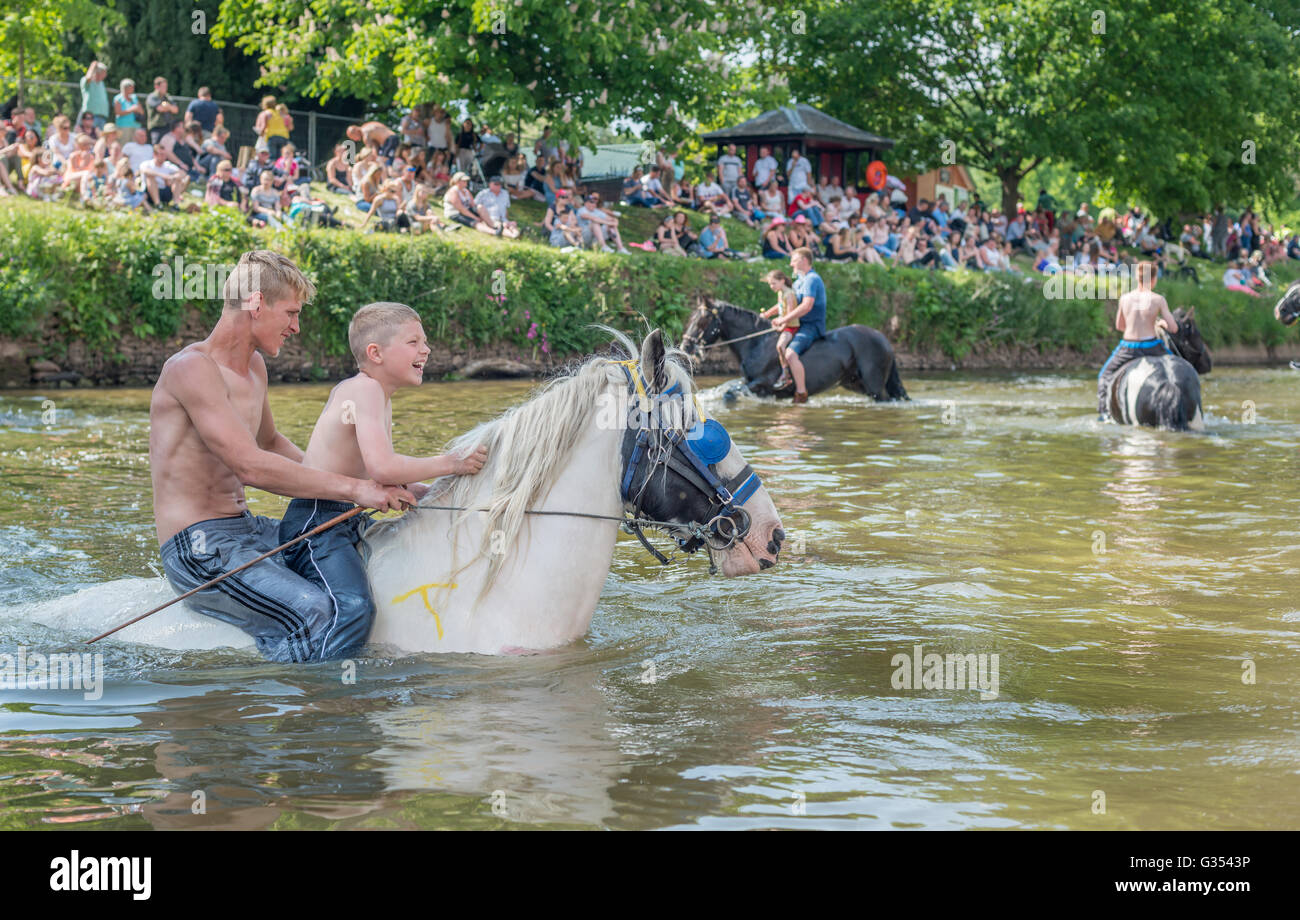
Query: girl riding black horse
857, 357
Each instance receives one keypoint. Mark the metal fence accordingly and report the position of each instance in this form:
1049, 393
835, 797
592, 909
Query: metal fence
314, 134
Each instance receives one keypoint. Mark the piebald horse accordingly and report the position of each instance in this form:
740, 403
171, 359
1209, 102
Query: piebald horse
1164, 391
520, 562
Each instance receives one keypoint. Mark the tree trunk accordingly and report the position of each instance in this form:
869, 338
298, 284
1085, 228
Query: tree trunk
1010, 191
20, 78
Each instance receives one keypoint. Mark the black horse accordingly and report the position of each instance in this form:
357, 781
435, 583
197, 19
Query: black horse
1164, 391
858, 357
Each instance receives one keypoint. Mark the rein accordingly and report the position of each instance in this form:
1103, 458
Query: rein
752, 335
694, 339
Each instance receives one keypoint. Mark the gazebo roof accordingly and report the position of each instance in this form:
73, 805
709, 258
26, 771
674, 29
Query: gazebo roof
801, 122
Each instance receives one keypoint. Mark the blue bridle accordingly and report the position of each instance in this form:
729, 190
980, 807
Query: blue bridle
703, 446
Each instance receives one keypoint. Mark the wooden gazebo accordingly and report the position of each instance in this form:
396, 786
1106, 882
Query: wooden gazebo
832, 146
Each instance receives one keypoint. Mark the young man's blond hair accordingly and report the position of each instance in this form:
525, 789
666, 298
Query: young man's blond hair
274, 275
377, 323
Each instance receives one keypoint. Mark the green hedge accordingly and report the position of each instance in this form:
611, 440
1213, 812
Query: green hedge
73, 274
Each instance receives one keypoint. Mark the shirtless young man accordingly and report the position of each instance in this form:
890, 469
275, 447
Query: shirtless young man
1141, 311
211, 434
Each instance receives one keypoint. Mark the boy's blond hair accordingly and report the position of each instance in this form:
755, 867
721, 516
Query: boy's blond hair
377, 323
269, 272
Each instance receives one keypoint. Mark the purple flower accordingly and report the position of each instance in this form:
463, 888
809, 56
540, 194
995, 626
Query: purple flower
528, 315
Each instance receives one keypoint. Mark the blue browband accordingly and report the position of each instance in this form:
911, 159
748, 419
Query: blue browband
705, 445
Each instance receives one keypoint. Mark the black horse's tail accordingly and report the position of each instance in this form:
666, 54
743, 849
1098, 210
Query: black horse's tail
893, 385
1167, 402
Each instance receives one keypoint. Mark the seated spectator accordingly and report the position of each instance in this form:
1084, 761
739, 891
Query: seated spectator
774, 242
163, 180
205, 113
214, 150
108, 145
222, 189
561, 223
840, 247
743, 205
682, 194
386, 206
1237, 278
95, 187
686, 239
126, 188
536, 180
771, 201
260, 164
598, 227
1016, 231
494, 202
61, 141
458, 205
713, 241
655, 191
180, 151
138, 150
81, 163
421, 213
969, 254
803, 205
711, 199
86, 124
288, 166
666, 236
264, 206
1049, 261
633, 192
1293, 246
513, 175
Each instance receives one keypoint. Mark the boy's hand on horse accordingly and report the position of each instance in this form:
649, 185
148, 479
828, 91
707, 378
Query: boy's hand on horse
471, 464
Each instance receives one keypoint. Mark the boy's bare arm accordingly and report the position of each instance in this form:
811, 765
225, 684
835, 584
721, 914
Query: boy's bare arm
1170, 323
383, 464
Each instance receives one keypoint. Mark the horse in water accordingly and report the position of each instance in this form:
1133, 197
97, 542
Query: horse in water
857, 357
515, 558
1164, 391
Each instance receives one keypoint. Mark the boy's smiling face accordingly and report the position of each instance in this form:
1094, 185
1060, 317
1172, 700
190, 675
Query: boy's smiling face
400, 362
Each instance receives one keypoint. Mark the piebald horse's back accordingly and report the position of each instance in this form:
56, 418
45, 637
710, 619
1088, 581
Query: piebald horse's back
1162, 392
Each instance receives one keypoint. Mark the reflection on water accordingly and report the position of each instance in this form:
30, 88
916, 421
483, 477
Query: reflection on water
1126, 579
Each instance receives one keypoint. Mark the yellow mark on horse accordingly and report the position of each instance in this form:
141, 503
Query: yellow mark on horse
423, 591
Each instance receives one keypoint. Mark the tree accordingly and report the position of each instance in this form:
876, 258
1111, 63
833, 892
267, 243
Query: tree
582, 63
1147, 97
32, 36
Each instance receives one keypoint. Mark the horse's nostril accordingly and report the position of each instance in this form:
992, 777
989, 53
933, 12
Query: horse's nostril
773, 547
765, 563
778, 535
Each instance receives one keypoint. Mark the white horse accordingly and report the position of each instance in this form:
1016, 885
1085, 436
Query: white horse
500, 577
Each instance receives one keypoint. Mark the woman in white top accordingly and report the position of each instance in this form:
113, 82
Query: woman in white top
771, 201
61, 142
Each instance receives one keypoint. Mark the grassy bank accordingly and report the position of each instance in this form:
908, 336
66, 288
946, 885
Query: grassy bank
73, 275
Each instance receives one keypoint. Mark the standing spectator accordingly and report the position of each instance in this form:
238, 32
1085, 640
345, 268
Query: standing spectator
730, 170
545, 148
798, 171
94, 95
205, 113
163, 113
467, 142
764, 168
439, 132
412, 128
272, 133
128, 113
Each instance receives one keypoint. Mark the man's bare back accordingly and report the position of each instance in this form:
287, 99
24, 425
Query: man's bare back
1138, 312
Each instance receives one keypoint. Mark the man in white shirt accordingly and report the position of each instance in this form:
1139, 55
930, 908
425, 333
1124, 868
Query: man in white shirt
494, 201
826, 191
764, 168
163, 181
850, 206
711, 196
730, 169
138, 151
598, 225
654, 188
798, 171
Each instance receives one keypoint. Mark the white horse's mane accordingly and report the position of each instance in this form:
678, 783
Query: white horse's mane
528, 445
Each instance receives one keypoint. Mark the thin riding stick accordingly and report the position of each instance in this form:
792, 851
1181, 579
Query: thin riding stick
208, 584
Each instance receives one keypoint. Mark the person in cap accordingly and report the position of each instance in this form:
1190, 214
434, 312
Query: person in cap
458, 205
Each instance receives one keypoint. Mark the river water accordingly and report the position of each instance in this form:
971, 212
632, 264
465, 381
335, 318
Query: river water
1137, 587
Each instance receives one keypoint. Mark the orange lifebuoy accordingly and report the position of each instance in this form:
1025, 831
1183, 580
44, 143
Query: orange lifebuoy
876, 175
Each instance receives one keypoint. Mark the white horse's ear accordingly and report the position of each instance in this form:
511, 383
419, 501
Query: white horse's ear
652, 360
